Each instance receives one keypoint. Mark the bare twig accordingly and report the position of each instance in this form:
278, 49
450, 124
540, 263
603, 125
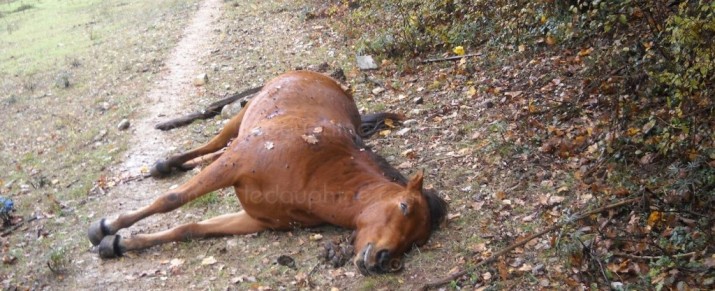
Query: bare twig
503, 251
16, 226
634, 257
453, 58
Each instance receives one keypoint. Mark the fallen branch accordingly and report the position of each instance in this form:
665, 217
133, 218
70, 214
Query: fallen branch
453, 58
634, 257
212, 110
16, 226
503, 251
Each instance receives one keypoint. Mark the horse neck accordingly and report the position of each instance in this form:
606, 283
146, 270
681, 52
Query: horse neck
371, 185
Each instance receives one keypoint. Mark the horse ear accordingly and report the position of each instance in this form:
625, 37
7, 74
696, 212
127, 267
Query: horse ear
415, 184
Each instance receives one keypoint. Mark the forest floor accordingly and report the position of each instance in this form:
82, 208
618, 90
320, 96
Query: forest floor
469, 123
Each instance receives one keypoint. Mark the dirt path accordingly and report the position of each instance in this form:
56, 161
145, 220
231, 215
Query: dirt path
167, 98
175, 86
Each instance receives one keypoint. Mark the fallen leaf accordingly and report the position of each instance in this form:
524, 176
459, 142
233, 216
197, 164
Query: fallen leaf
503, 271
176, 262
480, 247
389, 123
472, 91
452, 216
8, 260
513, 94
553, 200
654, 218
459, 50
208, 261
525, 268
550, 40
385, 132
405, 165
585, 52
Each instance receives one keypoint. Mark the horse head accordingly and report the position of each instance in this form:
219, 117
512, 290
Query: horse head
395, 223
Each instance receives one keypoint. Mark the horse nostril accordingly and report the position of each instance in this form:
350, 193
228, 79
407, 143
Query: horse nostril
383, 260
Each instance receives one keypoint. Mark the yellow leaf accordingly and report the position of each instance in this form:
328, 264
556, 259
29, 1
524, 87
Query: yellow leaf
389, 123
385, 132
472, 91
459, 50
633, 131
532, 107
585, 52
654, 218
544, 19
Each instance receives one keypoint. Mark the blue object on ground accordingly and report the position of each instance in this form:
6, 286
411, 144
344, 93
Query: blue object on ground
6, 205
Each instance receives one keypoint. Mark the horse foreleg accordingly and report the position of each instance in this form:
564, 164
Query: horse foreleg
229, 131
228, 224
214, 177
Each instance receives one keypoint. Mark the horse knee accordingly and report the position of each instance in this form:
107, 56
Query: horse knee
168, 202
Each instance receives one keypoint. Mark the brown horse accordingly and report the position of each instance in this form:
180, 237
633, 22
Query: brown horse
296, 160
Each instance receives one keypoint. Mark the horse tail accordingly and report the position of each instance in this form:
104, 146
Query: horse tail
372, 123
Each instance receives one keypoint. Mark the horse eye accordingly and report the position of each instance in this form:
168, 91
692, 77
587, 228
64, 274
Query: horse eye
403, 207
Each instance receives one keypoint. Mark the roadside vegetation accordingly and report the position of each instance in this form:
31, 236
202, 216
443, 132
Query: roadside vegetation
591, 101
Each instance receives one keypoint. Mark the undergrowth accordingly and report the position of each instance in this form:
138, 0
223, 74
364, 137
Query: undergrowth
636, 117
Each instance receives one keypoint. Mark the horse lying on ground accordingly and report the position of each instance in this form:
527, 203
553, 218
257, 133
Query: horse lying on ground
297, 159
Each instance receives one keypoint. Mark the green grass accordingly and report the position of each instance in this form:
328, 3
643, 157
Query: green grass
44, 33
203, 201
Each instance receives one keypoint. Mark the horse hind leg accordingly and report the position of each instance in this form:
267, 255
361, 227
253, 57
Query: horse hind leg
188, 160
216, 176
224, 225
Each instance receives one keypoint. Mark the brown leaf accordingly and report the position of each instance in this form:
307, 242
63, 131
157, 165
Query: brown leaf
550, 40
503, 271
621, 192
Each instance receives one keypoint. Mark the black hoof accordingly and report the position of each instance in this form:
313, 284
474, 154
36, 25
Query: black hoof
109, 247
160, 170
97, 231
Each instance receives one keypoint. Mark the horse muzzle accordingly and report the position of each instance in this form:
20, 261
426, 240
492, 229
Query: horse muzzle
370, 262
